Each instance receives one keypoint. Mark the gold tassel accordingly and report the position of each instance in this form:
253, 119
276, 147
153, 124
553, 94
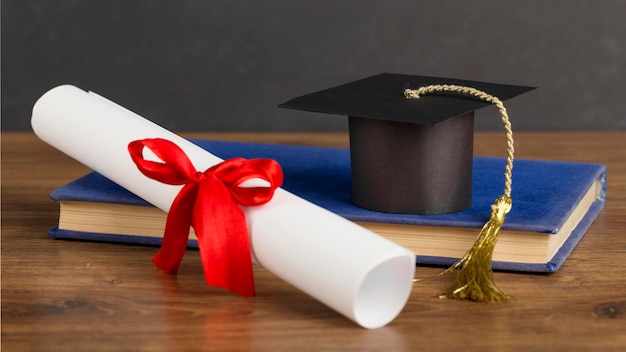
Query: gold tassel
475, 277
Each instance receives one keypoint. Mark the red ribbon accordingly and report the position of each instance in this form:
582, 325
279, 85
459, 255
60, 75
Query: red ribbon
208, 202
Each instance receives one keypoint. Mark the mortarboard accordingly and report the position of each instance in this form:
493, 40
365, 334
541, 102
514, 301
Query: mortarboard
407, 155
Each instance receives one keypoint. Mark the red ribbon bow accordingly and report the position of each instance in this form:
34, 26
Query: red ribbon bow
208, 202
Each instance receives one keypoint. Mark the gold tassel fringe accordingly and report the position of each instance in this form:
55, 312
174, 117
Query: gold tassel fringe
475, 278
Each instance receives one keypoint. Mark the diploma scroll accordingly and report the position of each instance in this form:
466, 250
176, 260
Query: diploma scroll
357, 273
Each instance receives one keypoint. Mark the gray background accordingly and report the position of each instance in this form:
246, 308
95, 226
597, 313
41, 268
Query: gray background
225, 65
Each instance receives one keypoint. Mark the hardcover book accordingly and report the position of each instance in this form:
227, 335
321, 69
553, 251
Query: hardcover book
554, 203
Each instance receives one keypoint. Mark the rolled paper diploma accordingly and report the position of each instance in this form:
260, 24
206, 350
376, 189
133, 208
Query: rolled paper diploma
359, 274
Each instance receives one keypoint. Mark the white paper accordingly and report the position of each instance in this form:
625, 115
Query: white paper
359, 274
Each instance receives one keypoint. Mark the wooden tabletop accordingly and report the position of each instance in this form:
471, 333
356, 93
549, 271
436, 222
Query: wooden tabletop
85, 296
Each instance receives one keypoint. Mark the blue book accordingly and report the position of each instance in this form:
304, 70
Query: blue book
554, 203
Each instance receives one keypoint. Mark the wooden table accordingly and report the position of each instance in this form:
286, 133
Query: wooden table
69, 295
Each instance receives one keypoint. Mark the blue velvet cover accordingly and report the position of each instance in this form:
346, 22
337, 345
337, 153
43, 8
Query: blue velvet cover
544, 194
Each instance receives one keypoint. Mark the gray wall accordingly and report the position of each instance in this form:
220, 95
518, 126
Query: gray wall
225, 65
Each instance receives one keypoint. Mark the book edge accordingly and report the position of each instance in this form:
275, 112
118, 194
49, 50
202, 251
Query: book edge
549, 267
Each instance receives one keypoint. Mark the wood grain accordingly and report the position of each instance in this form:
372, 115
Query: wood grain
69, 295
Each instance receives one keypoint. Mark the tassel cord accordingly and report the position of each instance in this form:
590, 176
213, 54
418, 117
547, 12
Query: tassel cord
510, 148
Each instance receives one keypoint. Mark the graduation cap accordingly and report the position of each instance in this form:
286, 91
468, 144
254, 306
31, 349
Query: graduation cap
407, 155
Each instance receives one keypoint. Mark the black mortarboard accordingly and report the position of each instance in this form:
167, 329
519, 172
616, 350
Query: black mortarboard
407, 155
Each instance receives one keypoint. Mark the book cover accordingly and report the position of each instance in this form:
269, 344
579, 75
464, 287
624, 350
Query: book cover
547, 198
